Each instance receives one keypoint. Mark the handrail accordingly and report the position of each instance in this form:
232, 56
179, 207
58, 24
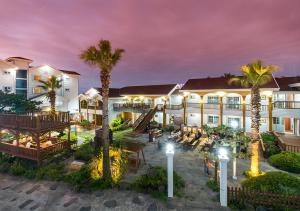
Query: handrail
139, 119
146, 119
174, 107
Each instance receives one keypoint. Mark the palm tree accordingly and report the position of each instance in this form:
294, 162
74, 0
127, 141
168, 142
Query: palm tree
50, 86
103, 57
254, 76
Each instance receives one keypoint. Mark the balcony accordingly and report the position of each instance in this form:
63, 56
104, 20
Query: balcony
132, 107
233, 107
175, 107
286, 105
215, 106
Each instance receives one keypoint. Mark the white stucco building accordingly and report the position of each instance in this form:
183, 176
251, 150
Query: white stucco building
18, 76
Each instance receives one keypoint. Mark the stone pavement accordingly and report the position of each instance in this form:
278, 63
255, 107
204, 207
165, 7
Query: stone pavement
189, 165
20, 194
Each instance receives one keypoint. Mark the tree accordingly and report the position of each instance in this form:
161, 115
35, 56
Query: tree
103, 57
254, 76
10, 102
50, 86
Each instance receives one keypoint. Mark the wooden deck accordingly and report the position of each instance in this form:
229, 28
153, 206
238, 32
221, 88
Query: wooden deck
35, 125
34, 121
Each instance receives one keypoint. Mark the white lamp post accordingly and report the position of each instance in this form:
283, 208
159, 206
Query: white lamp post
234, 125
170, 155
223, 157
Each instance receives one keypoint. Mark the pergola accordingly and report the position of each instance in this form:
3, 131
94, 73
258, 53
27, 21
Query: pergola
35, 129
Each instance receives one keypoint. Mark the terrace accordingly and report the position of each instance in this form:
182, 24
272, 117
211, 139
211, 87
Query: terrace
136, 107
31, 134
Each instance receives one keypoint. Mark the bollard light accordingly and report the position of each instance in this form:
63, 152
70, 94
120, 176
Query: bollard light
223, 157
170, 154
234, 125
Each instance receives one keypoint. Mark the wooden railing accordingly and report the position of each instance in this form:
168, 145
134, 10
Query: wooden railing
262, 108
52, 149
33, 121
28, 153
211, 106
132, 106
234, 107
138, 121
193, 105
286, 147
242, 196
146, 120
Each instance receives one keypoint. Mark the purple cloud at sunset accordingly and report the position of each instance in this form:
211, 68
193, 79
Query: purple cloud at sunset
165, 41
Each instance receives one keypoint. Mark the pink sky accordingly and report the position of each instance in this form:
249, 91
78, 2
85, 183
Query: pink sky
165, 40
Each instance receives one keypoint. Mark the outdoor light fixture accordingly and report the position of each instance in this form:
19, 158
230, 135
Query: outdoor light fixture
185, 94
221, 94
223, 153
170, 154
234, 124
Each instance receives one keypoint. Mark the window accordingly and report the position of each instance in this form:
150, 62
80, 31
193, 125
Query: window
276, 121
213, 119
37, 78
36, 90
233, 100
21, 92
22, 84
21, 74
193, 96
213, 99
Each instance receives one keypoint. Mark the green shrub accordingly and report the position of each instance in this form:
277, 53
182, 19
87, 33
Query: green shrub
271, 144
117, 128
17, 168
211, 183
85, 152
116, 122
79, 179
155, 183
51, 172
86, 124
274, 182
287, 161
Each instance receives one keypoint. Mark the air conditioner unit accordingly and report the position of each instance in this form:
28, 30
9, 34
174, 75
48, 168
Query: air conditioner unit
7, 88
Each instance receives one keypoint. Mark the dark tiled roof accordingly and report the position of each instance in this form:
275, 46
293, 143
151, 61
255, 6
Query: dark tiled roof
284, 83
113, 92
18, 57
218, 83
147, 89
70, 72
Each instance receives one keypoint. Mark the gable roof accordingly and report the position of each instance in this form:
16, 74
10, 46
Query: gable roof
113, 92
18, 57
218, 83
163, 89
69, 72
284, 83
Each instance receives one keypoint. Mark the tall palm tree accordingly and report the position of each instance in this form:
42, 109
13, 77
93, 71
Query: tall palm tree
105, 59
254, 76
50, 86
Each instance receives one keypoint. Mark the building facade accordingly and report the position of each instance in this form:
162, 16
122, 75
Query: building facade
18, 76
207, 101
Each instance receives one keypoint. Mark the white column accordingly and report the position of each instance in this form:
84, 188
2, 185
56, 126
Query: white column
234, 163
298, 127
170, 155
223, 179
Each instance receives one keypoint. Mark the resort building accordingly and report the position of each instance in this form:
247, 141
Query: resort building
203, 101
18, 76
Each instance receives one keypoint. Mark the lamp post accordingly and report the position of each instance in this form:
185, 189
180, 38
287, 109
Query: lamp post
223, 157
170, 155
234, 125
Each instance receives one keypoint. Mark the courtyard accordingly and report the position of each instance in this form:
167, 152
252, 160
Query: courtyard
20, 193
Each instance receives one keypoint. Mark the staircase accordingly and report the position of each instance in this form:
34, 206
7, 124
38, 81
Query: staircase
142, 122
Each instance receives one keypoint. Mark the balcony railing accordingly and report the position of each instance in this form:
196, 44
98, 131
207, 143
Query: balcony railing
262, 108
193, 105
211, 106
233, 107
286, 105
132, 106
174, 107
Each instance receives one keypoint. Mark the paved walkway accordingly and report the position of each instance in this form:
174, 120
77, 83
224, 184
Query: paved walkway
20, 194
189, 165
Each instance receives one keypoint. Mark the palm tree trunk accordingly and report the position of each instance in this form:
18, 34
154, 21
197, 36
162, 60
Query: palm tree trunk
52, 98
255, 124
105, 80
